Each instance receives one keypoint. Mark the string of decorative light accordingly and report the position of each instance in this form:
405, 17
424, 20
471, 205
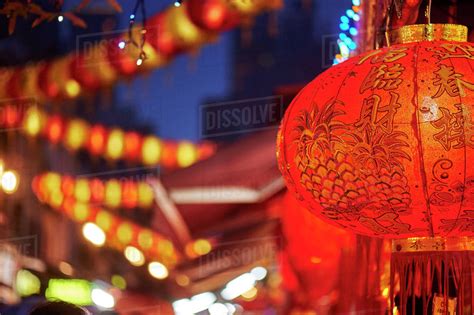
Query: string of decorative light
112, 144
140, 43
348, 26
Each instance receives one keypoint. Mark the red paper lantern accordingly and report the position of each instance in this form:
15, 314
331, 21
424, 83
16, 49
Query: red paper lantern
212, 15
133, 146
160, 37
381, 145
97, 139
54, 129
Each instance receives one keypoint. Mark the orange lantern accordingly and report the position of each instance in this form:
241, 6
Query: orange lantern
133, 143
129, 194
380, 145
97, 139
54, 128
97, 191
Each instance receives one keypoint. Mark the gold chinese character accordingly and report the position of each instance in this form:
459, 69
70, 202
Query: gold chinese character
453, 51
390, 55
374, 116
450, 82
383, 77
456, 129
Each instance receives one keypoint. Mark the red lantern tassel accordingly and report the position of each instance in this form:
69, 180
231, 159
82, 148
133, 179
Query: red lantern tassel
431, 276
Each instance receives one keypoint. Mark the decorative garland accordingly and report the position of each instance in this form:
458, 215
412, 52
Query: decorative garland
113, 144
349, 31
99, 65
119, 232
113, 193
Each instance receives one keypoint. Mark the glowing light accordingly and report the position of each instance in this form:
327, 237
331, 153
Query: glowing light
344, 26
344, 19
94, 234
203, 301
102, 298
344, 49
151, 150
113, 193
81, 211
139, 61
238, 286
218, 309
356, 17
27, 283
103, 220
82, 191
145, 239
182, 280
134, 256
66, 268
353, 31
259, 273
124, 233
177, 3
10, 182
119, 282
33, 121
202, 247
145, 195
186, 154
350, 13
132, 16
76, 134
73, 88
182, 307
121, 44
250, 294
158, 270
356, 2
60, 18
115, 144
75, 291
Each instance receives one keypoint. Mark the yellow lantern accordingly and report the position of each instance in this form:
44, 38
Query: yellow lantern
115, 144
113, 193
151, 150
77, 132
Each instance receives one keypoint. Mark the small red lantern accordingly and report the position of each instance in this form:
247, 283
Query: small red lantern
129, 194
97, 140
212, 15
133, 146
54, 129
381, 145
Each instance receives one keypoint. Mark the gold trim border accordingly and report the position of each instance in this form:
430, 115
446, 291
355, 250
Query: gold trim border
427, 32
433, 244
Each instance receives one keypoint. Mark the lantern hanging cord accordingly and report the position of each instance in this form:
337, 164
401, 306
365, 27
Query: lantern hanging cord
139, 4
428, 12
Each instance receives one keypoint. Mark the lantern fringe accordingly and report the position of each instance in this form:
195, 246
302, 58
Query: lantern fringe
417, 278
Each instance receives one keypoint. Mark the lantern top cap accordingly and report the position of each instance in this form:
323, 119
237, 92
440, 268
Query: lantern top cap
427, 32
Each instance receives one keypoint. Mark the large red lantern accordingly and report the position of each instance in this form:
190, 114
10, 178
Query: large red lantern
381, 144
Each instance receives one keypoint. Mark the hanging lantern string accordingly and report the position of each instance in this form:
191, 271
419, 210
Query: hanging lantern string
112, 144
140, 4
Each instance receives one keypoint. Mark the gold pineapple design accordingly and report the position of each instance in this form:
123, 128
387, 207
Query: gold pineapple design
350, 171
